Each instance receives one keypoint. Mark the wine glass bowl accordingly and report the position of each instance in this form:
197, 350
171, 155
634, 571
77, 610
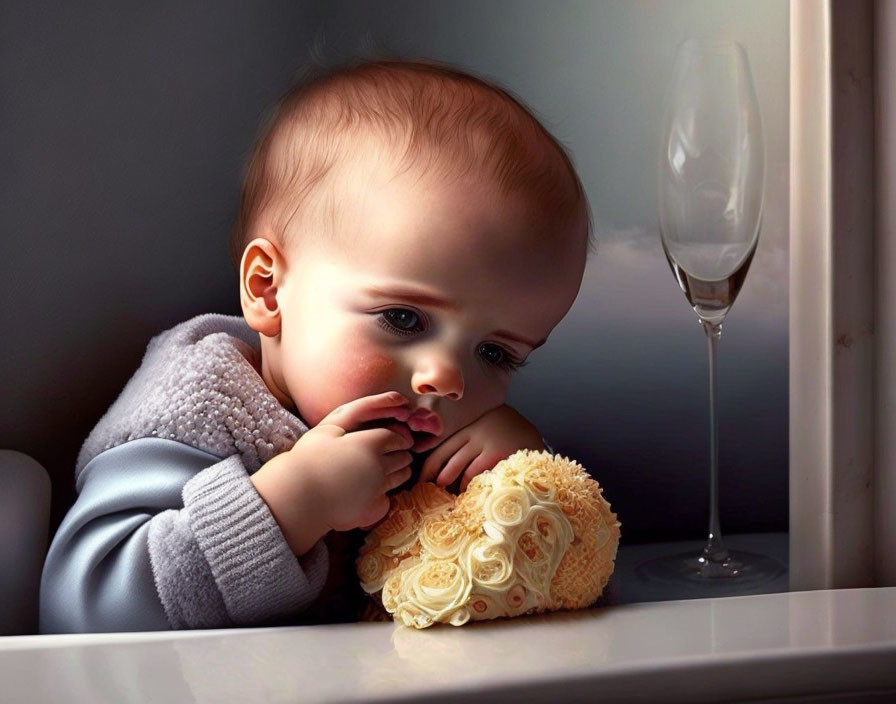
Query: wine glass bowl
710, 197
711, 174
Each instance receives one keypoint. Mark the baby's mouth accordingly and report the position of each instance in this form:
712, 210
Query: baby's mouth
426, 429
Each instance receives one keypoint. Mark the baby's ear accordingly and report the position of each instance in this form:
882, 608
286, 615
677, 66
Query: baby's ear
261, 270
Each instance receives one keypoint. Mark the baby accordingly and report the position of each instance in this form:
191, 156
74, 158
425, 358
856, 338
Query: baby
407, 235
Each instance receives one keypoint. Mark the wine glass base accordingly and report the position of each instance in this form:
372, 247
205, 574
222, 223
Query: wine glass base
741, 572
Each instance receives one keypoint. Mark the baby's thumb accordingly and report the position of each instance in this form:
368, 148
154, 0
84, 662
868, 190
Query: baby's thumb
349, 416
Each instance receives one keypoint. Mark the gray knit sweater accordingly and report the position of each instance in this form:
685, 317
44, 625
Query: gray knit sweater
168, 531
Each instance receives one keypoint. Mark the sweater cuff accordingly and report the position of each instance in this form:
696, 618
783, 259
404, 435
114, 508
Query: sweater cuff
257, 574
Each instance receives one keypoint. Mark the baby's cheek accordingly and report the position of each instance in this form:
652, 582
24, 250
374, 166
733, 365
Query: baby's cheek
363, 374
375, 369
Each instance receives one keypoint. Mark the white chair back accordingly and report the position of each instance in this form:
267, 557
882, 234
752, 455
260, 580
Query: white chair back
24, 527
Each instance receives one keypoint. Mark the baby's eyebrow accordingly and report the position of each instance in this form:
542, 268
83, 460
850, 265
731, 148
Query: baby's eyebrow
423, 299
516, 338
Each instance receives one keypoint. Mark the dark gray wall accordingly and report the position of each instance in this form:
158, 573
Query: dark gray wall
124, 129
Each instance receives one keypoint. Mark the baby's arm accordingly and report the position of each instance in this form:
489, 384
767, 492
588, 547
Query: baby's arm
480, 445
166, 536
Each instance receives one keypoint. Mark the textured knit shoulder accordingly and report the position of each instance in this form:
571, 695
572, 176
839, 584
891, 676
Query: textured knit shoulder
196, 385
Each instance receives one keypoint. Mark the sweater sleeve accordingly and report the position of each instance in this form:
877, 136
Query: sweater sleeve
167, 536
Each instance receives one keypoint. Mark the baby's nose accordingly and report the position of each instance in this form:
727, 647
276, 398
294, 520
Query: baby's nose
439, 378
427, 389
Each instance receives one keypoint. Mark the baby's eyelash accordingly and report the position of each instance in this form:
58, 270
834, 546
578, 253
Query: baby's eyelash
382, 320
508, 362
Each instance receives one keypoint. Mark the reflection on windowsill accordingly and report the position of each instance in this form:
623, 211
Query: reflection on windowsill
627, 587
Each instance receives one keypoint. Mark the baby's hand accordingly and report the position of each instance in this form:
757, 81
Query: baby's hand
336, 476
480, 446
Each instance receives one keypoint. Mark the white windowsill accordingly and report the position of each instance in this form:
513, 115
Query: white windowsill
702, 650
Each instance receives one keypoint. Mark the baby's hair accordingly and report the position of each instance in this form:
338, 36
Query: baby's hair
452, 121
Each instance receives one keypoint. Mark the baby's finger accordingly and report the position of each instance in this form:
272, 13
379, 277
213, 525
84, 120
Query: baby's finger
457, 464
402, 431
389, 439
376, 511
439, 456
395, 461
397, 478
349, 416
479, 465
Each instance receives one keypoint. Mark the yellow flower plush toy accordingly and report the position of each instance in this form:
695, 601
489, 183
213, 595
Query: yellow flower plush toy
533, 534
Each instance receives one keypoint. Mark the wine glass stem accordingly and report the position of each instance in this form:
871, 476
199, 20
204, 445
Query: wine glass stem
715, 550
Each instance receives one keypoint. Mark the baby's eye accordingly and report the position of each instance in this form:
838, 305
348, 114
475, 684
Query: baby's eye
499, 357
401, 320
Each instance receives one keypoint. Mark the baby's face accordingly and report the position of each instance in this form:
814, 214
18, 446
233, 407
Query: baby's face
437, 291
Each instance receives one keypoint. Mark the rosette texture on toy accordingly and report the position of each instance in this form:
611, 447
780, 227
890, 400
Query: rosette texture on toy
533, 534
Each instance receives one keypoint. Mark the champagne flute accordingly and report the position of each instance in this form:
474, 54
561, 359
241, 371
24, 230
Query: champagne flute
711, 174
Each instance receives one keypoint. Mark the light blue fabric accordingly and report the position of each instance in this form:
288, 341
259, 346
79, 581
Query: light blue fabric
106, 572
97, 574
168, 530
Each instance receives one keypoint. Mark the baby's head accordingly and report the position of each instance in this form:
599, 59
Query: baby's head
406, 227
